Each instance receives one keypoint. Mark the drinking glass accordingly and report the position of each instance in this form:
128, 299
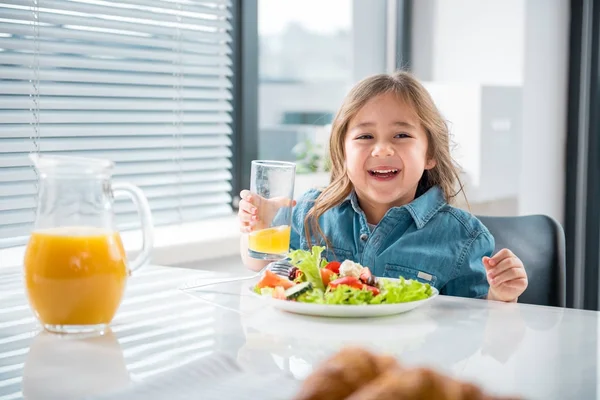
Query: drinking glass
272, 185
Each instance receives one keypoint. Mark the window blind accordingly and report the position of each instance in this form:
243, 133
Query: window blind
144, 83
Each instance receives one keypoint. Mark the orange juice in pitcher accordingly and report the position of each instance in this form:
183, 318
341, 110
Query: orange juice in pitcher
75, 275
75, 265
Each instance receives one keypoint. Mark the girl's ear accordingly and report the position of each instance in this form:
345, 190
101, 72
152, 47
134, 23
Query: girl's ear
430, 164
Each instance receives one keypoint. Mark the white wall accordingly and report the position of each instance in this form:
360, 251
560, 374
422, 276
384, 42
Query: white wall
368, 37
422, 38
477, 41
489, 49
507, 42
545, 107
460, 103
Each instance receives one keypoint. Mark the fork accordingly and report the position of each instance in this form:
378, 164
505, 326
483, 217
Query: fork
280, 267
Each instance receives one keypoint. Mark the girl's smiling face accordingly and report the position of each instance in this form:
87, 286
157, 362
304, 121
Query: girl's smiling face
385, 151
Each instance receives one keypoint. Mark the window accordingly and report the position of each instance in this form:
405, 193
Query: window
145, 83
310, 53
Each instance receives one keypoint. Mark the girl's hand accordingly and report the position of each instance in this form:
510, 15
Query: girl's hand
506, 276
257, 213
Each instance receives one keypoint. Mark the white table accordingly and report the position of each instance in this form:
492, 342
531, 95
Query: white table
538, 352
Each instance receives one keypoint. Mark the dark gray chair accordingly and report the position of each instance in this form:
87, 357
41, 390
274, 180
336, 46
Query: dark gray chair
539, 241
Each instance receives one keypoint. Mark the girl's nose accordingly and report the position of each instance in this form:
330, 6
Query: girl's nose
382, 150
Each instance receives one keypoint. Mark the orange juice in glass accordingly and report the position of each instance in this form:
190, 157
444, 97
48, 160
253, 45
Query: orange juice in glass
274, 240
273, 183
75, 265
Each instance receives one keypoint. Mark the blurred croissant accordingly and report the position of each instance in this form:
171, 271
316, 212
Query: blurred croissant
356, 374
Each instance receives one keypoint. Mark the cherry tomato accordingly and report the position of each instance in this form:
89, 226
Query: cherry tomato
326, 275
334, 267
348, 281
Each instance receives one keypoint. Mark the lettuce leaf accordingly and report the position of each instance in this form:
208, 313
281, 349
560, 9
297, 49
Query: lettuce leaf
401, 291
309, 262
340, 295
312, 296
344, 294
392, 292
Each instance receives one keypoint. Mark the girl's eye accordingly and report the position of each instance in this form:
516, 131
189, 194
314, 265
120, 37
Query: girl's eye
402, 135
365, 136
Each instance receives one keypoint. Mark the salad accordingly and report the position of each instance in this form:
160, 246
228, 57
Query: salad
313, 279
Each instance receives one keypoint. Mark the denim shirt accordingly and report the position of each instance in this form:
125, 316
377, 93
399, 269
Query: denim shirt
427, 240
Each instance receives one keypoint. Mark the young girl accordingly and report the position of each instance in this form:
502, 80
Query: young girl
387, 206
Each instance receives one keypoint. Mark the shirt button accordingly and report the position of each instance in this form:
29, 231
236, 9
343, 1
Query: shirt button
364, 237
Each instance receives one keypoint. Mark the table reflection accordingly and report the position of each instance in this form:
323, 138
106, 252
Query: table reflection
73, 367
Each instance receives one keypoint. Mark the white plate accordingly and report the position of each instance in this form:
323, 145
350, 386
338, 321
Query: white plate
344, 311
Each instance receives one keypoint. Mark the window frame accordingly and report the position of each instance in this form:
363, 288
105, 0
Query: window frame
582, 194
245, 93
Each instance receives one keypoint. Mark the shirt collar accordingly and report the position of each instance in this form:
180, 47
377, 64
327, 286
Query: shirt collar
353, 200
421, 209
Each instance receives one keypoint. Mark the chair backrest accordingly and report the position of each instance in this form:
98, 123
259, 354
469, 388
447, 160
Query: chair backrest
539, 241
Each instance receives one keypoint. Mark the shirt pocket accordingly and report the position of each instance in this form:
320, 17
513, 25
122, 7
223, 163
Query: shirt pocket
396, 271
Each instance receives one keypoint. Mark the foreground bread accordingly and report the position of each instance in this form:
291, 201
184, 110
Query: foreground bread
343, 374
417, 384
356, 374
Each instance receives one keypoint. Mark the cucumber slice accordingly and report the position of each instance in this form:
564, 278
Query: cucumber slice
296, 290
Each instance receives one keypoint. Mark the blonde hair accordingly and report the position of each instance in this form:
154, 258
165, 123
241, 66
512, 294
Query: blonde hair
444, 174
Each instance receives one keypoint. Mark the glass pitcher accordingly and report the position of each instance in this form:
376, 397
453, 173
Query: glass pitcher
75, 263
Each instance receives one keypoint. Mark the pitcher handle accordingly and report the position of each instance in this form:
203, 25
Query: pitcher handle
139, 199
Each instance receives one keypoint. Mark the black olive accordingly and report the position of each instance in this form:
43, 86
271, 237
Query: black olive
292, 273
372, 281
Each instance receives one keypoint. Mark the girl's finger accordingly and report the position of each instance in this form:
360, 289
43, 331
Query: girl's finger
519, 283
504, 265
244, 194
247, 227
508, 275
499, 256
248, 207
245, 218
